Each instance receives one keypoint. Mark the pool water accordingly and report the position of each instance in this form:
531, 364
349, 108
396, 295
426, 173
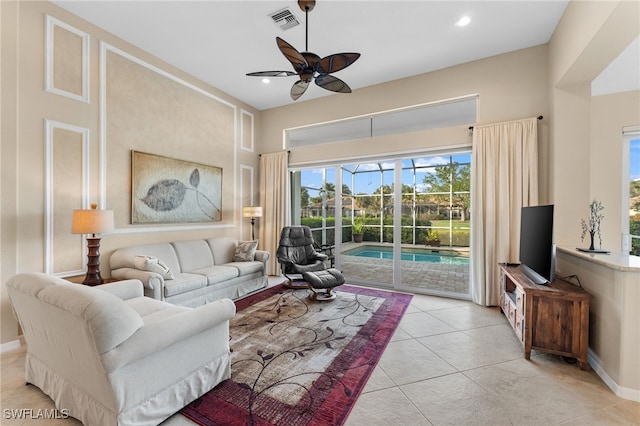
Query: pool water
413, 255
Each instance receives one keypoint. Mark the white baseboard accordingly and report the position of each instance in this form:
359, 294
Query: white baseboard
9, 346
622, 392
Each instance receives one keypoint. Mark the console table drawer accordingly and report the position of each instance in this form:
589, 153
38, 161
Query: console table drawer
511, 315
519, 327
520, 300
504, 304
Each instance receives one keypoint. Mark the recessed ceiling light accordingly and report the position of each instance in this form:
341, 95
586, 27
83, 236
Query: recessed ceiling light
266, 81
463, 22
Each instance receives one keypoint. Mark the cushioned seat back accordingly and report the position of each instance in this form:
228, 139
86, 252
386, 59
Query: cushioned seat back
296, 245
193, 254
223, 249
68, 327
124, 257
110, 320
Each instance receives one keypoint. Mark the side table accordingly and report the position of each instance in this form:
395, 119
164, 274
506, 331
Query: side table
79, 278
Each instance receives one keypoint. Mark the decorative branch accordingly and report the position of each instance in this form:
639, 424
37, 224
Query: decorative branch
593, 226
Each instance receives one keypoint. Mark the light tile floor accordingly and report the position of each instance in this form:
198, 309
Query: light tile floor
450, 362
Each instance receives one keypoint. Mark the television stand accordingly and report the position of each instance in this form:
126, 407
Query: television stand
551, 318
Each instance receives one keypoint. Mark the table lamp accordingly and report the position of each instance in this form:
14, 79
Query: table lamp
253, 212
92, 222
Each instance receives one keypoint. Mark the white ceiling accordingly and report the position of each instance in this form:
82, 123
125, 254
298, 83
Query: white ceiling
220, 41
622, 74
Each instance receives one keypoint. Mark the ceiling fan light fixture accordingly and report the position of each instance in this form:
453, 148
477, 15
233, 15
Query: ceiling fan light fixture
266, 81
308, 66
463, 21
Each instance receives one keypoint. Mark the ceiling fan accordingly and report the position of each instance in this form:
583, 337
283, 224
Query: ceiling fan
309, 66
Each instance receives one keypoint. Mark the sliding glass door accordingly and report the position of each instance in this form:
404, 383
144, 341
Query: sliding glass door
366, 254
401, 223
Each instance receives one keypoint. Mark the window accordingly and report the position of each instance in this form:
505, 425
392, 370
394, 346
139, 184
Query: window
314, 206
432, 115
394, 222
632, 181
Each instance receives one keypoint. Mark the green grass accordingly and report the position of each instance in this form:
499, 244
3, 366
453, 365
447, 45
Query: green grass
459, 234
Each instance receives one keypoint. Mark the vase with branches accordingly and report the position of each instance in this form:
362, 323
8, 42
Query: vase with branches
593, 226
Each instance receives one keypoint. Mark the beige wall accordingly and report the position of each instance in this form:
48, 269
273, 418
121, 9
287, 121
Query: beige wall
586, 147
589, 36
609, 114
25, 107
8, 161
614, 336
509, 86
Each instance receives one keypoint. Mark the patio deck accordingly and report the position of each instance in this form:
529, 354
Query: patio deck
424, 277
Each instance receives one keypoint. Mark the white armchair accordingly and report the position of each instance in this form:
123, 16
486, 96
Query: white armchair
110, 356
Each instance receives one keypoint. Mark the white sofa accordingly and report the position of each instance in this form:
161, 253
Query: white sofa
203, 270
106, 355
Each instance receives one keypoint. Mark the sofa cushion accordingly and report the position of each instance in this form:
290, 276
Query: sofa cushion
218, 273
223, 249
184, 282
152, 310
124, 257
247, 268
153, 264
111, 320
245, 251
193, 254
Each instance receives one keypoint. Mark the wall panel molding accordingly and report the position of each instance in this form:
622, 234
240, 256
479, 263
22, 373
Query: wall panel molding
66, 168
184, 101
247, 178
246, 131
66, 60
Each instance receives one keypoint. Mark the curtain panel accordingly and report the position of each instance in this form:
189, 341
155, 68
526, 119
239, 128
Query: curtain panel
274, 198
504, 179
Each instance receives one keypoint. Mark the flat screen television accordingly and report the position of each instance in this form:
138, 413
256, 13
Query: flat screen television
537, 251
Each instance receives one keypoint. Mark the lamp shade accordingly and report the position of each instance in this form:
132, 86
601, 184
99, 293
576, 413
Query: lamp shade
252, 211
91, 221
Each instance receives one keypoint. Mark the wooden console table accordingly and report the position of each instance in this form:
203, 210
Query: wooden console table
551, 318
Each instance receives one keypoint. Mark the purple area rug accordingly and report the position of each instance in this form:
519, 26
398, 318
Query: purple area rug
299, 362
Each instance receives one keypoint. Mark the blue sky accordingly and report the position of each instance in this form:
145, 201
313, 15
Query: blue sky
634, 156
369, 182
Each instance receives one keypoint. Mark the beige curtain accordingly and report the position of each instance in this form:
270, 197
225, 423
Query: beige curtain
274, 199
504, 179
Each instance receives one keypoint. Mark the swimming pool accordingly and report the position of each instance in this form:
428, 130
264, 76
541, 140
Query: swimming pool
413, 255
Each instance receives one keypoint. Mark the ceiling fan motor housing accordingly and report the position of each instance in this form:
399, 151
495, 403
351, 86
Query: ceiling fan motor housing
306, 5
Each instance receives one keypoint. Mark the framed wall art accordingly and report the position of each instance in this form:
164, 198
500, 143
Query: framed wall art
167, 190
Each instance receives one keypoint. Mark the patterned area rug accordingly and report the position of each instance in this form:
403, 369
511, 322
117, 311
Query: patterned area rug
299, 362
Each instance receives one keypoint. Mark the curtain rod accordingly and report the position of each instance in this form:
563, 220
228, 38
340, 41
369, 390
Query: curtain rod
539, 118
288, 152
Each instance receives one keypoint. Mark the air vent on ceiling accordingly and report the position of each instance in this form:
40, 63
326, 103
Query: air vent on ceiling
284, 19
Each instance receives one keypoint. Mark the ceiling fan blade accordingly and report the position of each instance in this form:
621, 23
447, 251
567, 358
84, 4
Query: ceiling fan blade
336, 62
311, 58
271, 74
332, 83
297, 60
298, 89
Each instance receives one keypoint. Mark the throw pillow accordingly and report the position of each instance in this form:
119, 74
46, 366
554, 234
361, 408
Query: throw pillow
153, 264
245, 251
